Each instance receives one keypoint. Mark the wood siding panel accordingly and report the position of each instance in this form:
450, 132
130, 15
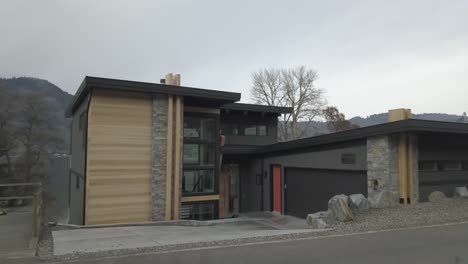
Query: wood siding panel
119, 158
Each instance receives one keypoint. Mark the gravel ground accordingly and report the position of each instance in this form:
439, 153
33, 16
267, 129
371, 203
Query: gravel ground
45, 246
422, 214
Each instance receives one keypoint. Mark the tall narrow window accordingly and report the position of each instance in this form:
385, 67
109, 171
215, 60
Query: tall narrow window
82, 128
82, 121
199, 157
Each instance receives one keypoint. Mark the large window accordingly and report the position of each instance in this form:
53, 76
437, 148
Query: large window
233, 129
198, 181
199, 211
200, 155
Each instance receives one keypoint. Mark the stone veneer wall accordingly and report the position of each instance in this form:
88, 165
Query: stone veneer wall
383, 171
158, 181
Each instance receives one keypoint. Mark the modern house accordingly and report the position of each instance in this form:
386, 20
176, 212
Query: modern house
146, 152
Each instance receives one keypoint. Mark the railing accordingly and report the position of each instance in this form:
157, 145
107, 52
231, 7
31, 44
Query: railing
37, 203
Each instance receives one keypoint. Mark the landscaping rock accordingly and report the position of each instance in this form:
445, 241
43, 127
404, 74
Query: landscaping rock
359, 202
338, 206
3, 213
436, 197
316, 220
461, 192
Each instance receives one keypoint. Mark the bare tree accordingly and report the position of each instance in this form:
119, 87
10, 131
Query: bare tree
293, 88
7, 133
37, 132
336, 121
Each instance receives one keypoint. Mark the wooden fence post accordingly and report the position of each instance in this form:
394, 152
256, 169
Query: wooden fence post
37, 213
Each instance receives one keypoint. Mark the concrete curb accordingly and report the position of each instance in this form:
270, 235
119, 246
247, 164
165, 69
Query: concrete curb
164, 223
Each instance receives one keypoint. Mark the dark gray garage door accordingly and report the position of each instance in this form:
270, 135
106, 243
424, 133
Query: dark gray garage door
308, 190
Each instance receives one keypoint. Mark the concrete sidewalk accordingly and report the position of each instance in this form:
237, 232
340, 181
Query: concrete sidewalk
136, 237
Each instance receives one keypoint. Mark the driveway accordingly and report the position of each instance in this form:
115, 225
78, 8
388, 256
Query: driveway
16, 233
219, 232
443, 244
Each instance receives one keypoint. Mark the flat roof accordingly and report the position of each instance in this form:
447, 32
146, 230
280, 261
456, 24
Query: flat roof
410, 125
257, 108
205, 96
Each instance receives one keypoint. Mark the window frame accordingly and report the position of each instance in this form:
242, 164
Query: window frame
241, 128
214, 142
442, 165
348, 158
423, 163
83, 127
198, 170
215, 204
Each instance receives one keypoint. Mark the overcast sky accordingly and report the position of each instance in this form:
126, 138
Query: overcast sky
370, 55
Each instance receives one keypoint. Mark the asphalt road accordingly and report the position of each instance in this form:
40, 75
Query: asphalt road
444, 244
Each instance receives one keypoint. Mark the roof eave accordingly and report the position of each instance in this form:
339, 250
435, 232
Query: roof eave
410, 125
151, 88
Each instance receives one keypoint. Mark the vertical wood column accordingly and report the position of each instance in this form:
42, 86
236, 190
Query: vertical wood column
224, 191
177, 156
405, 156
403, 168
406, 179
174, 150
409, 167
169, 159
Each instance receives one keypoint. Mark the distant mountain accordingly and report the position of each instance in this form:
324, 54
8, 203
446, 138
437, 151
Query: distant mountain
21, 85
320, 128
382, 118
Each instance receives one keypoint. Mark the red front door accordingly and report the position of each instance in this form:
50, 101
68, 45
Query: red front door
277, 188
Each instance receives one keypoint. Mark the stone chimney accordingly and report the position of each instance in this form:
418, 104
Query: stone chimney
399, 114
171, 79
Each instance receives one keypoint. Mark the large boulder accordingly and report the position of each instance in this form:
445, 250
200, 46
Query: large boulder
339, 209
316, 220
461, 192
359, 202
437, 196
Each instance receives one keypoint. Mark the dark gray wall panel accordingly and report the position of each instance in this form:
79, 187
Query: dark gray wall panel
440, 148
329, 158
77, 168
